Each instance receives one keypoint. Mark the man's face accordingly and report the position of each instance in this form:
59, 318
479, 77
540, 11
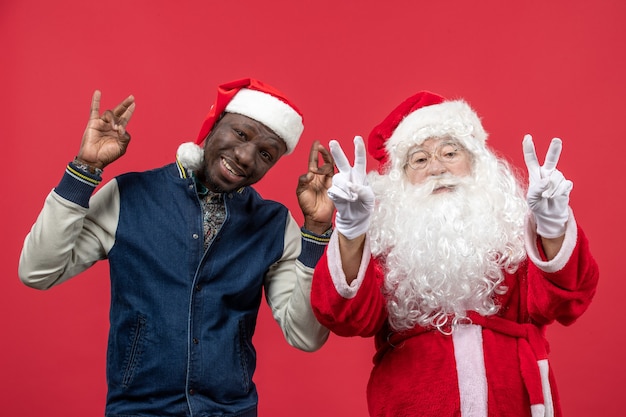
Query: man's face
238, 152
436, 157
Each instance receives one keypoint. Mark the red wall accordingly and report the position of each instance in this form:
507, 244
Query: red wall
549, 68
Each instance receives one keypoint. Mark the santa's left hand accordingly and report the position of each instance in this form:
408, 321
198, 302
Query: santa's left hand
352, 195
548, 190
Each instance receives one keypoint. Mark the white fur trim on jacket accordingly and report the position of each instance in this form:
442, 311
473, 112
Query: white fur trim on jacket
336, 267
561, 258
470, 368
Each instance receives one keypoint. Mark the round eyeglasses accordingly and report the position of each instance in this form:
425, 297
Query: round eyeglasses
447, 153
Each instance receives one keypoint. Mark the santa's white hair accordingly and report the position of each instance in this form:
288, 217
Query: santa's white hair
444, 254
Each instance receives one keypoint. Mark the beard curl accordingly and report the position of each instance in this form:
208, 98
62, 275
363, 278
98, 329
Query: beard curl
445, 254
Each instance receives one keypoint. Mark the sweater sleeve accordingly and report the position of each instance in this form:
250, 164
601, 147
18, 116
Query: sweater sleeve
72, 231
288, 288
561, 289
358, 309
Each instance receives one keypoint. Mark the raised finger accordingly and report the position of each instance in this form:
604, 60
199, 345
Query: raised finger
530, 157
553, 154
360, 159
313, 156
121, 108
341, 161
124, 118
94, 112
326, 155
328, 168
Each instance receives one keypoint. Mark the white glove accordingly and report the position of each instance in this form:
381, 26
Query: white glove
352, 196
548, 190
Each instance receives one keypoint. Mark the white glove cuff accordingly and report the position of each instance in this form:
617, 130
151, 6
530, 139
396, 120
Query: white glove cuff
551, 227
352, 228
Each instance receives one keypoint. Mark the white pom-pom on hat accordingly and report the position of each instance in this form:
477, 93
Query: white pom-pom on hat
190, 155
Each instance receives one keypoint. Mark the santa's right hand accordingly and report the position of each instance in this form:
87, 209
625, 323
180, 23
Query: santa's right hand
350, 192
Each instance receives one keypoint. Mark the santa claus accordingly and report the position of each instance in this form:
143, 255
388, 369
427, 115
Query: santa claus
456, 272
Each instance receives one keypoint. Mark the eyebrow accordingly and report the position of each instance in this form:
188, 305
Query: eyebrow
276, 141
274, 138
420, 148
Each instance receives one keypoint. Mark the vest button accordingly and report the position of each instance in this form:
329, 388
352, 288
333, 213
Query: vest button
195, 236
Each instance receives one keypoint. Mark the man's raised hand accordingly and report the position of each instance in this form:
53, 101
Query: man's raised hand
105, 138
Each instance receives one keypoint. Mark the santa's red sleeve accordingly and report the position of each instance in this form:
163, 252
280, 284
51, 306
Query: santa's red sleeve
357, 309
560, 289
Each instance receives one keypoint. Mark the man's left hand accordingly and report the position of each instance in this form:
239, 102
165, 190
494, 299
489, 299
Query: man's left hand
312, 191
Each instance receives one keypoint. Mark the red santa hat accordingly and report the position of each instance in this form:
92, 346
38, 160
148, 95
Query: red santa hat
258, 101
424, 115
254, 99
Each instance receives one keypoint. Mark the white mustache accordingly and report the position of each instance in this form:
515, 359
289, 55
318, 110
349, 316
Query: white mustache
445, 180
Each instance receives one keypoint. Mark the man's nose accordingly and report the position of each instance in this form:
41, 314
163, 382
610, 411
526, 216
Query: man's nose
245, 153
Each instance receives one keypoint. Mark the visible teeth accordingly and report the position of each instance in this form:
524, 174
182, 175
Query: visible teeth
228, 167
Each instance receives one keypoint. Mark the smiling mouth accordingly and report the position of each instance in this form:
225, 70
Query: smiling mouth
443, 189
230, 169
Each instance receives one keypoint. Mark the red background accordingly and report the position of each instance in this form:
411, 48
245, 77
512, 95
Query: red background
548, 68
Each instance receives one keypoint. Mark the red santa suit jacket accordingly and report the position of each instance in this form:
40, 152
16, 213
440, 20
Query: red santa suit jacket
495, 366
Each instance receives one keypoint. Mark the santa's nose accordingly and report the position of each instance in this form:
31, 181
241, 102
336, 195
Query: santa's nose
436, 167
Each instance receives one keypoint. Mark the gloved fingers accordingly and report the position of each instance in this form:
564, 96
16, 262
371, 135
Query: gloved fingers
341, 181
340, 195
341, 161
554, 179
565, 188
536, 190
557, 185
530, 157
360, 160
364, 194
562, 188
553, 154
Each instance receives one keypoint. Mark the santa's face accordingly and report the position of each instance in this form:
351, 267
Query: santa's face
436, 157
446, 236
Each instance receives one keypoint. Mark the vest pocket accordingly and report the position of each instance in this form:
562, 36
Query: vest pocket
246, 352
133, 350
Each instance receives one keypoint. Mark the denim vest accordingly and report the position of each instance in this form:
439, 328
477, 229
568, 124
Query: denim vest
182, 321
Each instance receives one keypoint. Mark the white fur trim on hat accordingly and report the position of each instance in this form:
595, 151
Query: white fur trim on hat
271, 111
450, 118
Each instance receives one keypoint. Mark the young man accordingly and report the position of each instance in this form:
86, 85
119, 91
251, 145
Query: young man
437, 257
191, 246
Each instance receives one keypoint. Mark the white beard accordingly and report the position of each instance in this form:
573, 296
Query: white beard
444, 254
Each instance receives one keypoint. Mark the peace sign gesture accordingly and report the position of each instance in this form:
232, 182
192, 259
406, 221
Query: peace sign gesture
548, 190
351, 194
105, 138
